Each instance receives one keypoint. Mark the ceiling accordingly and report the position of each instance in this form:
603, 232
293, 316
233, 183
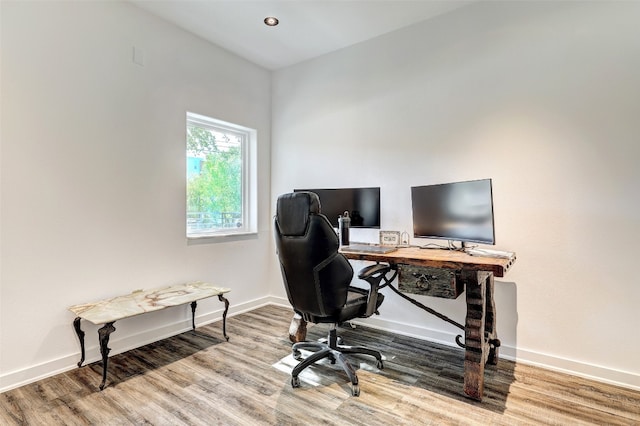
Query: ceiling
307, 29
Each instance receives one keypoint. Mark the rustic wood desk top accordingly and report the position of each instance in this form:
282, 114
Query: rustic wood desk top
437, 258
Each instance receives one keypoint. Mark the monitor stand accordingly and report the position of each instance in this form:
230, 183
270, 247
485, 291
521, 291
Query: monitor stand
452, 245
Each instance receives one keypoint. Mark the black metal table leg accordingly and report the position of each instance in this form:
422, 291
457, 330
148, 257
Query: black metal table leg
224, 315
103, 336
80, 333
193, 314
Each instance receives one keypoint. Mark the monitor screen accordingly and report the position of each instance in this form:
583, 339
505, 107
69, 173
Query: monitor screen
363, 205
460, 211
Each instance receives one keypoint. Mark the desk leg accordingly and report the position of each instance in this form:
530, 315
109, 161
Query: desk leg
476, 350
297, 329
224, 315
490, 323
103, 336
80, 333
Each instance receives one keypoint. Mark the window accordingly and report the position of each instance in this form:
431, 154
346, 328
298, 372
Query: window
221, 178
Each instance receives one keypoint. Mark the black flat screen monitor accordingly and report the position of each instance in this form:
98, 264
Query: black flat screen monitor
460, 211
363, 205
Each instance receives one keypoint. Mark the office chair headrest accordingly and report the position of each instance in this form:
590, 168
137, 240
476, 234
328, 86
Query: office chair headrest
293, 210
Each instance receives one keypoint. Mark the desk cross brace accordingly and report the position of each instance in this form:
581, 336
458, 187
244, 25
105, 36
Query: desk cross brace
493, 342
432, 312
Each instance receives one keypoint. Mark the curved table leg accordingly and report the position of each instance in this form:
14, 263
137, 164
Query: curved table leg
80, 333
224, 315
193, 314
103, 336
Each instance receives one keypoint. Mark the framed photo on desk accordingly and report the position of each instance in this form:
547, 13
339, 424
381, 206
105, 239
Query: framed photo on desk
390, 238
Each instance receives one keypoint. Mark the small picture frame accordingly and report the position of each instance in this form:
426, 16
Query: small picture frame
389, 238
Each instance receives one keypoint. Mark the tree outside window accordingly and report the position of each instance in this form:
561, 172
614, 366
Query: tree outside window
215, 177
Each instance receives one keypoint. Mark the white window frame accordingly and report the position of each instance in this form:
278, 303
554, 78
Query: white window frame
249, 143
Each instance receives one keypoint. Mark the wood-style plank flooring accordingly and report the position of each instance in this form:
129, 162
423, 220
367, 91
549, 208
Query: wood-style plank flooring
196, 378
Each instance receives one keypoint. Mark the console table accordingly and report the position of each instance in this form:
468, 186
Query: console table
448, 273
139, 302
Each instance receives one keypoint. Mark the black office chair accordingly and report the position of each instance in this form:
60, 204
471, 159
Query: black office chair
317, 279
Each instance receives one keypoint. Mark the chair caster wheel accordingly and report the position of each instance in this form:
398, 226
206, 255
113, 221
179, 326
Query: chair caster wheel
380, 365
355, 390
295, 382
297, 355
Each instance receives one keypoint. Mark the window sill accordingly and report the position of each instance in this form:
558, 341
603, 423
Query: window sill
221, 237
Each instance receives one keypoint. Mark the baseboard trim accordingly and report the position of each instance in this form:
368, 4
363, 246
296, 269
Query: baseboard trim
34, 373
119, 344
594, 372
598, 373
548, 361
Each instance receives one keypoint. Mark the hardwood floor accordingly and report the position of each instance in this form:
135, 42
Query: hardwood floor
196, 378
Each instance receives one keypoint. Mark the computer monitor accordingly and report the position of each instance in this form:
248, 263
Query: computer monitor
363, 205
459, 211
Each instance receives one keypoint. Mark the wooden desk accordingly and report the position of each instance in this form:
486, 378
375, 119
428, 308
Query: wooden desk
476, 275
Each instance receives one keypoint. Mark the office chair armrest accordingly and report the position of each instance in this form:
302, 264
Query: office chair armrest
371, 270
373, 274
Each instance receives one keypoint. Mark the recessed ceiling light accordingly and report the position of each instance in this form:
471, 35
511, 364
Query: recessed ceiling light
271, 21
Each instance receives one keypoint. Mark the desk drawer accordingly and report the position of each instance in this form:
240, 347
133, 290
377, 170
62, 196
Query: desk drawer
427, 281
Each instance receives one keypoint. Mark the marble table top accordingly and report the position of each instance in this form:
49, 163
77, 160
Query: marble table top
143, 301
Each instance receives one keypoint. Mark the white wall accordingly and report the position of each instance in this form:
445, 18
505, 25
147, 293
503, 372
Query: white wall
544, 98
93, 175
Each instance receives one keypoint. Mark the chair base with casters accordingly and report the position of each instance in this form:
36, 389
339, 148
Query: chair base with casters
332, 348
335, 352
